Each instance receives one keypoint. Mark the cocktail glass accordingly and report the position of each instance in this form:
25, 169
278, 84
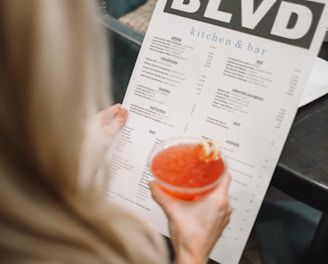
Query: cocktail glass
187, 167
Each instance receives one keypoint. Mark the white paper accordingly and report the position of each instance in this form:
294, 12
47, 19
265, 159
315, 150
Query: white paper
317, 84
199, 79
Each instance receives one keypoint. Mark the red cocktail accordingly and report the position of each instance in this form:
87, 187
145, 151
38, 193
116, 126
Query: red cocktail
187, 168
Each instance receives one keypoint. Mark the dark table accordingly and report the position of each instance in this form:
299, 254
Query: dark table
302, 170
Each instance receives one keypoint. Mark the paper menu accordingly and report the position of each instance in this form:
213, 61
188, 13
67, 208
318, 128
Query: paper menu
317, 84
196, 77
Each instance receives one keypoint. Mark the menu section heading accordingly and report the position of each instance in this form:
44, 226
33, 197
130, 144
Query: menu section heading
290, 22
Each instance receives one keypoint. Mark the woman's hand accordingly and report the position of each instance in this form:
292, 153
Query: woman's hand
113, 118
195, 226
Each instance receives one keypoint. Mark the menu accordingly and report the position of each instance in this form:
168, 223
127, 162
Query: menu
231, 71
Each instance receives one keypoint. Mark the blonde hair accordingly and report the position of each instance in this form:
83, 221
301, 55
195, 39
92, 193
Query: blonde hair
53, 68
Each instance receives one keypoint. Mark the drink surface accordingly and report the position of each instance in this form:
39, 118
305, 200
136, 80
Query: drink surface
183, 165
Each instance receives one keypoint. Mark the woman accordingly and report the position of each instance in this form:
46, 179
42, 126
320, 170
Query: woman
53, 68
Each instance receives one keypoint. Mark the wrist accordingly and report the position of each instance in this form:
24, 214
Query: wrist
182, 257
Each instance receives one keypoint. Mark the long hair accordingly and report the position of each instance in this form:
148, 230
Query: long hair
53, 80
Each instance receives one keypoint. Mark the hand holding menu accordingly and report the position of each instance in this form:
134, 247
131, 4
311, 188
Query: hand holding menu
231, 71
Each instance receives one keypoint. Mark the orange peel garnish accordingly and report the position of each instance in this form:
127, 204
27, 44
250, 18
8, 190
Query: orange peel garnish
210, 150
